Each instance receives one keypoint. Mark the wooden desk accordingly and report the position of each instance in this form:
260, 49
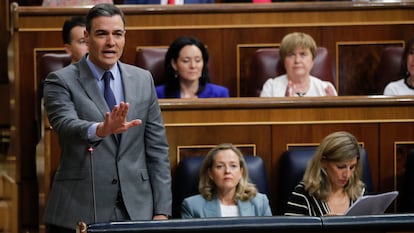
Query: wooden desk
376, 223
269, 126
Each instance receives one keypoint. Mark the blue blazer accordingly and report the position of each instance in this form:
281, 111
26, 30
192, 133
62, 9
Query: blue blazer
211, 91
158, 1
198, 207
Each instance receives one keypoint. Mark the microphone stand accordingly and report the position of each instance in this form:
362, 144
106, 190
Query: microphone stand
90, 150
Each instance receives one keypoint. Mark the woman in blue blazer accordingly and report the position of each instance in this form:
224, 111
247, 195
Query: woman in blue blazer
224, 188
187, 73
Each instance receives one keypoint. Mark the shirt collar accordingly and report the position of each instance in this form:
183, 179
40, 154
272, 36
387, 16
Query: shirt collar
98, 72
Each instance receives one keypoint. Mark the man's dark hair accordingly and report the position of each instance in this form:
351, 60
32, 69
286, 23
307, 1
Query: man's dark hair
104, 9
69, 24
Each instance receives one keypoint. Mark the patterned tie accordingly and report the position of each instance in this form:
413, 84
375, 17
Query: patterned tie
171, 2
108, 94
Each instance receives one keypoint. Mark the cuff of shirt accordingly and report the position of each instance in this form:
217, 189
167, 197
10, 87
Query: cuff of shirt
92, 133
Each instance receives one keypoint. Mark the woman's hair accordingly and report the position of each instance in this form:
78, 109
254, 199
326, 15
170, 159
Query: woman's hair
208, 189
295, 40
172, 86
336, 147
404, 70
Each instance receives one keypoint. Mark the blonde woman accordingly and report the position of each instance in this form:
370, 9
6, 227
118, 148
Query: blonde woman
332, 179
225, 190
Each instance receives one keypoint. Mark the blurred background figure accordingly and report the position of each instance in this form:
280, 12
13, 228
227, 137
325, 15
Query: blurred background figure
187, 74
73, 37
405, 85
298, 52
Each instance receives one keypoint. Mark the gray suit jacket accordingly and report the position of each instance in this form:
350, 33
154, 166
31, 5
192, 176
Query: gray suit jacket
198, 207
138, 164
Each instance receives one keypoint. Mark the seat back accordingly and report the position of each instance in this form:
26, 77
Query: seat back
266, 63
388, 67
406, 201
47, 63
293, 166
152, 59
187, 176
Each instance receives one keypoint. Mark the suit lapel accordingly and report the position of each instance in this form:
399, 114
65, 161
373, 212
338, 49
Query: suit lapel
212, 208
245, 208
129, 83
90, 86
130, 89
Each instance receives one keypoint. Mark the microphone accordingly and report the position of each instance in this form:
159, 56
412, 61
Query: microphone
90, 150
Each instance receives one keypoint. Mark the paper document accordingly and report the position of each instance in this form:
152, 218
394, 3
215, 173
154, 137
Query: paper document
372, 204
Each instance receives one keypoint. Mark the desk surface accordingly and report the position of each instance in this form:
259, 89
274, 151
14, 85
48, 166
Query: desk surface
380, 223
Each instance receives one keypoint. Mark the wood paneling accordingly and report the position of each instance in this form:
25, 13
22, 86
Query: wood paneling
267, 127
272, 124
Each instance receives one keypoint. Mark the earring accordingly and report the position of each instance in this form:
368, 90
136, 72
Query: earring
175, 75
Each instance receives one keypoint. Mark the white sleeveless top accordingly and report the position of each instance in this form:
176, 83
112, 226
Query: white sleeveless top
229, 210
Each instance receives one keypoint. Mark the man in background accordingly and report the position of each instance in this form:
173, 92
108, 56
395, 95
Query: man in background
73, 37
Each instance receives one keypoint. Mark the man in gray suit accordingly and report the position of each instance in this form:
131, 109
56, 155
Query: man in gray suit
114, 164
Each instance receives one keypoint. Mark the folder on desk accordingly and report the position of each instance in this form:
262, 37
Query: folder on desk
372, 204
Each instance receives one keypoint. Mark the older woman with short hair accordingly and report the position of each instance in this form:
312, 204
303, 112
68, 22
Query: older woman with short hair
297, 51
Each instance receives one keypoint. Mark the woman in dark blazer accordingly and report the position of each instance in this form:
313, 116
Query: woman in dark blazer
186, 70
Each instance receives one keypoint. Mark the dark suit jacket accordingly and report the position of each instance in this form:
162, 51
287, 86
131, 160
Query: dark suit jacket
138, 164
198, 207
158, 1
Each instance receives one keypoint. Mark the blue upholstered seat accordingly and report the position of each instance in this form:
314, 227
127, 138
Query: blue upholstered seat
407, 190
187, 176
293, 165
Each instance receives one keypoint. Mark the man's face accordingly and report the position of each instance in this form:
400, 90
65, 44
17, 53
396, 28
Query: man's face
77, 47
106, 40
